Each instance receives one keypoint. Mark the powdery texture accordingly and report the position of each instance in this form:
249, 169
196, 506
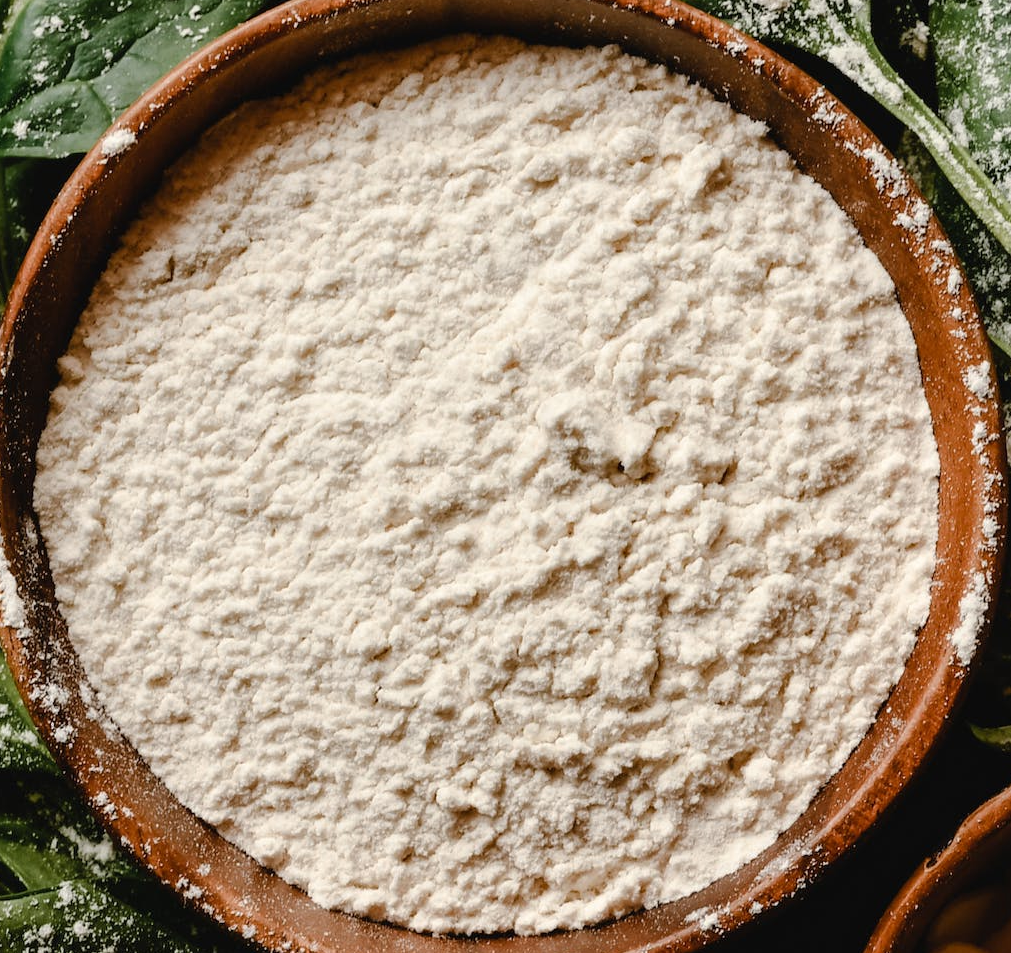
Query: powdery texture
117, 142
492, 486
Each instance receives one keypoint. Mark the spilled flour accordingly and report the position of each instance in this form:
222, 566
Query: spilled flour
492, 486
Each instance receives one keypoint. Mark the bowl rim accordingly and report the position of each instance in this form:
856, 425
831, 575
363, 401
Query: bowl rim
860, 809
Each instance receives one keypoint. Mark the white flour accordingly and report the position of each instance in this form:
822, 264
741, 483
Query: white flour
492, 486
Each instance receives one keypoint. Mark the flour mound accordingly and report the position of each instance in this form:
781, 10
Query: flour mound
492, 486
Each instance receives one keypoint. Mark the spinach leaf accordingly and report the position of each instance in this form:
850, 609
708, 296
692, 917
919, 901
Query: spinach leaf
972, 43
69, 67
27, 188
21, 748
30, 854
81, 916
60, 825
986, 262
999, 738
972, 49
58, 869
12, 709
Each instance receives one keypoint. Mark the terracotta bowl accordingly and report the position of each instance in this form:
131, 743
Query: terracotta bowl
980, 846
826, 140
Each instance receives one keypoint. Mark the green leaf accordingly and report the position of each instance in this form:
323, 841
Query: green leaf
972, 43
47, 835
79, 916
10, 698
63, 824
58, 121
69, 67
999, 738
972, 48
21, 748
33, 857
58, 869
48, 838
987, 264
29, 186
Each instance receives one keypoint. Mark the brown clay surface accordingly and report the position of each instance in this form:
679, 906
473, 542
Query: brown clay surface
981, 843
72, 247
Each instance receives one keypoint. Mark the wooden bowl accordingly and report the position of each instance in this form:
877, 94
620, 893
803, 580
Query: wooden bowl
826, 140
980, 844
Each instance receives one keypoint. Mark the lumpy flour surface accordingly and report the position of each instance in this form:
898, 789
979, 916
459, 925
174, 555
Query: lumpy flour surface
492, 486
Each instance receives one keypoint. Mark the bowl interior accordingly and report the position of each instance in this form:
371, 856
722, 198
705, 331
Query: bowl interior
827, 142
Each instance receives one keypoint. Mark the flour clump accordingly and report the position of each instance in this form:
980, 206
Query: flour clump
492, 486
